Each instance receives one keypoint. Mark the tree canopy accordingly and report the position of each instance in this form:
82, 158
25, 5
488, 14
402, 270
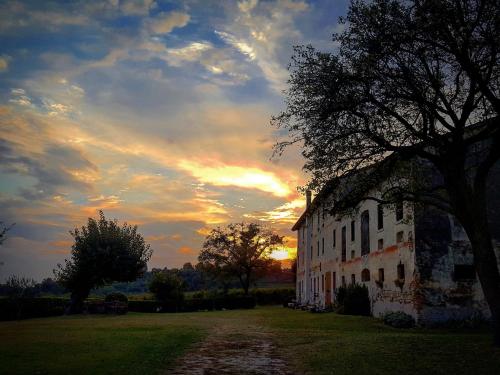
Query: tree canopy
103, 252
240, 250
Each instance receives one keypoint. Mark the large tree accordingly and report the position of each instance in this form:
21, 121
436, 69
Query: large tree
414, 80
240, 250
103, 252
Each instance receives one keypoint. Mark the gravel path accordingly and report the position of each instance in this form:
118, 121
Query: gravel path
233, 350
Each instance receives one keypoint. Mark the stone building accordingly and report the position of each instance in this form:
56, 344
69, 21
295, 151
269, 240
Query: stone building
417, 261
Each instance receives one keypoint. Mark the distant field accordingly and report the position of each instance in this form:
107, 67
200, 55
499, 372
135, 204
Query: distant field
312, 344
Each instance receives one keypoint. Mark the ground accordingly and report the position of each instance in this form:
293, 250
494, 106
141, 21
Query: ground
265, 340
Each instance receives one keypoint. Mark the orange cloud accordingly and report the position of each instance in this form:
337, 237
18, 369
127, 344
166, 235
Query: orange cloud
186, 250
232, 175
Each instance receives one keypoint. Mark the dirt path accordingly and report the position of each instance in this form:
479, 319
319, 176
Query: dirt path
231, 349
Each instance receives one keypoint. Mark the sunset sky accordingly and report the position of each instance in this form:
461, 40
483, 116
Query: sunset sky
156, 112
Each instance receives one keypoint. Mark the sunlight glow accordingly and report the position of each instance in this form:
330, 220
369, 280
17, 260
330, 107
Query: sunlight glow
229, 175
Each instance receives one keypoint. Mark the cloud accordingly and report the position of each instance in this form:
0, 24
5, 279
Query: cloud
265, 32
239, 176
136, 7
4, 63
192, 52
186, 250
164, 23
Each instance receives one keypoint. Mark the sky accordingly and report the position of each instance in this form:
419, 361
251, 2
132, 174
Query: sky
156, 112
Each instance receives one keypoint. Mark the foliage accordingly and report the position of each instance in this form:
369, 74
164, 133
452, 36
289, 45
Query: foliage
119, 297
193, 304
269, 296
398, 319
3, 231
241, 251
103, 252
353, 300
29, 307
418, 80
20, 287
167, 286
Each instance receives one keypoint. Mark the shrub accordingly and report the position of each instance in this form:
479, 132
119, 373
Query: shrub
25, 308
194, 304
166, 286
398, 319
144, 306
353, 300
268, 296
116, 297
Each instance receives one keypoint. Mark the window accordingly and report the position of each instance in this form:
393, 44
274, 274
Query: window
399, 211
344, 244
365, 275
343, 280
334, 238
322, 246
381, 276
353, 233
401, 271
365, 232
353, 279
380, 216
353, 254
322, 283
380, 244
334, 281
318, 247
311, 252
400, 237
464, 272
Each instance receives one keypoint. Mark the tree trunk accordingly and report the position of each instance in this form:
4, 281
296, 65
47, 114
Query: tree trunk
76, 303
485, 261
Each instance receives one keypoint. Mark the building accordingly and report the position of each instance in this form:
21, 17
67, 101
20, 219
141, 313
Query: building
418, 261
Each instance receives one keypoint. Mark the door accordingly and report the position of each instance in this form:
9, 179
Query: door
328, 291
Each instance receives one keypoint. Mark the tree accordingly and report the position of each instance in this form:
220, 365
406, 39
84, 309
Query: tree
103, 252
240, 250
415, 80
3, 231
166, 285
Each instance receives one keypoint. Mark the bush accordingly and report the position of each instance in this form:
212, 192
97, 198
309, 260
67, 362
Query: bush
194, 304
268, 296
353, 300
25, 308
399, 319
116, 297
166, 286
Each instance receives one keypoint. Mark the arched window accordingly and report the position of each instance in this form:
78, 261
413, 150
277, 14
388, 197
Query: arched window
365, 275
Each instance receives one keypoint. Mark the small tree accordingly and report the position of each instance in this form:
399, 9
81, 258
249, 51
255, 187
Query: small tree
240, 250
103, 252
167, 286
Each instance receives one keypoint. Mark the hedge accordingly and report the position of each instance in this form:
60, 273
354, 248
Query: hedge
194, 304
47, 306
25, 308
268, 296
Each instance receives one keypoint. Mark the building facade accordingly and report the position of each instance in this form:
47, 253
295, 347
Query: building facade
418, 261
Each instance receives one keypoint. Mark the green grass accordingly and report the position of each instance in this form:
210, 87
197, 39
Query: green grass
312, 343
130, 344
337, 344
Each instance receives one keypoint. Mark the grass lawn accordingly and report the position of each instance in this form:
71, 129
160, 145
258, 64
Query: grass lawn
129, 344
312, 344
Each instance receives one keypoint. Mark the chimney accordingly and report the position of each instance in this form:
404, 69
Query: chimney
308, 198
